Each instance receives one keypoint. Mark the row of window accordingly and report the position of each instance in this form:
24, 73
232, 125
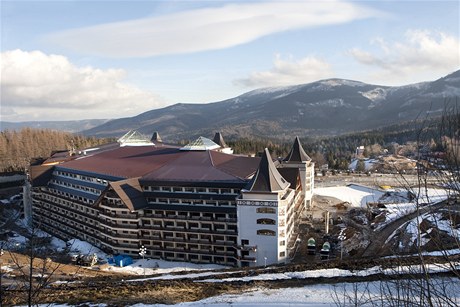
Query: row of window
226, 217
191, 190
71, 204
71, 196
67, 213
188, 246
198, 202
188, 225
190, 237
76, 186
81, 177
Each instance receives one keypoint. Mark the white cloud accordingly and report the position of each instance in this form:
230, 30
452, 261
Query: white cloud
289, 72
422, 55
206, 28
35, 85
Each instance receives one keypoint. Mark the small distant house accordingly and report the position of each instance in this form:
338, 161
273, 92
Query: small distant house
359, 151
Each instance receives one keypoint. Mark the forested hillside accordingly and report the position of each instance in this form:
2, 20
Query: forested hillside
338, 151
17, 148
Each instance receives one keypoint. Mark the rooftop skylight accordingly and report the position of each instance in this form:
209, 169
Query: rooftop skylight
134, 138
201, 143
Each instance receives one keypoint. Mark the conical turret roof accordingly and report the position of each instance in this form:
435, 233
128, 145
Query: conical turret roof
267, 177
297, 154
156, 138
219, 140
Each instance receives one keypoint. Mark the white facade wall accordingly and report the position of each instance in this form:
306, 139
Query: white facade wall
264, 248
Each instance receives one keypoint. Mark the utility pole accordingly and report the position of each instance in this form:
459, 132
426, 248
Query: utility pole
326, 221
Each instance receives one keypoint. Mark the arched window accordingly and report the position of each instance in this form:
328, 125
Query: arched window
266, 221
266, 232
266, 210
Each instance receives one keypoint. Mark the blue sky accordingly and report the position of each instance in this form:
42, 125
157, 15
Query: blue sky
64, 60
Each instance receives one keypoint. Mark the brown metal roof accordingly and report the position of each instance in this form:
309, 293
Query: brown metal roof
206, 166
125, 162
166, 163
130, 192
40, 175
240, 166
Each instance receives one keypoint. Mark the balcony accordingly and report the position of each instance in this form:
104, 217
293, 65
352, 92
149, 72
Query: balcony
119, 215
118, 226
252, 248
121, 236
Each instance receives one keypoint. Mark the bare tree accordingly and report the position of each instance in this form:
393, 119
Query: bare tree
30, 261
435, 225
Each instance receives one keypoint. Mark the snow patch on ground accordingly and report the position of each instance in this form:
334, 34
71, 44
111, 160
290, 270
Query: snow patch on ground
331, 273
435, 219
375, 95
82, 247
368, 164
356, 195
156, 266
6, 269
333, 103
139, 266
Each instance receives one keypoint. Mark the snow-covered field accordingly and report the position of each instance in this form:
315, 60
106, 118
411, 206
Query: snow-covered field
359, 196
356, 195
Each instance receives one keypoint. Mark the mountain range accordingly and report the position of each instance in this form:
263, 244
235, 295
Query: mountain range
326, 107
73, 126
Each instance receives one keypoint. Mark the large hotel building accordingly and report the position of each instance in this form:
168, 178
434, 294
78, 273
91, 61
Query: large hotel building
197, 203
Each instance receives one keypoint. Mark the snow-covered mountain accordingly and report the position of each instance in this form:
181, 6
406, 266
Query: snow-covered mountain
326, 107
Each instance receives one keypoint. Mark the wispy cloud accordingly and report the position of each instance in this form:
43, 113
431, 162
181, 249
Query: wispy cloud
37, 85
421, 54
206, 28
288, 72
